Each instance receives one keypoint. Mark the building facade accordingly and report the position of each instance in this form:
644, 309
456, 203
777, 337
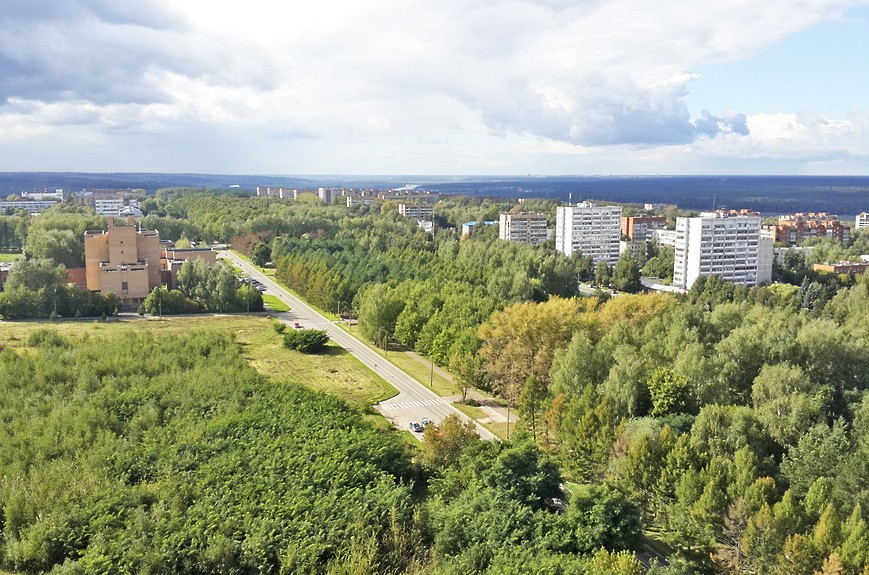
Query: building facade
590, 229
416, 211
123, 260
720, 244
30, 206
851, 268
523, 228
639, 228
791, 229
862, 222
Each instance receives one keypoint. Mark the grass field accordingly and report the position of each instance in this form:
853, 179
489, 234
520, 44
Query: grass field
7, 257
274, 303
335, 371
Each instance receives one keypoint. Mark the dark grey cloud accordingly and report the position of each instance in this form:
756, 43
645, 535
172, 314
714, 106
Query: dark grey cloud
98, 51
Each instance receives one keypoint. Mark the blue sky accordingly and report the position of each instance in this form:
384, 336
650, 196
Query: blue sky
454, 87
822, 69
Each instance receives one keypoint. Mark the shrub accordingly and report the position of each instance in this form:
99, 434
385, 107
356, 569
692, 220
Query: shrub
306, 340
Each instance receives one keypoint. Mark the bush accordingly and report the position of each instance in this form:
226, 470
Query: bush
306, 340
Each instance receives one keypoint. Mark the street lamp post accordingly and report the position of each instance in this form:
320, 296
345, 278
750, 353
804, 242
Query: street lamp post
431, 375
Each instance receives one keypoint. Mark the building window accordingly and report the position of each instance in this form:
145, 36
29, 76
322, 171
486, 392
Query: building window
124, 286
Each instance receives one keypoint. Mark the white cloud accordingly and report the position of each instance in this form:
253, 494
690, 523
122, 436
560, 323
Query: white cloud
392, 73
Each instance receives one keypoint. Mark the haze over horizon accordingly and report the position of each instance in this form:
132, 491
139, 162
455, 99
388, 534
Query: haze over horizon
551, 87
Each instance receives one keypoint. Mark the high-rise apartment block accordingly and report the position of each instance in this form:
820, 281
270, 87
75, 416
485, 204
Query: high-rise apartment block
721, 244
590, 229
862, 222
524, 228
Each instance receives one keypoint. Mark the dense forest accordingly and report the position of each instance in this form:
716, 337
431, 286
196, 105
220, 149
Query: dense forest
138, 454
727, 427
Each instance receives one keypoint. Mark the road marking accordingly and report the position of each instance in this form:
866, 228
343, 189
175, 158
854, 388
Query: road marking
409, 404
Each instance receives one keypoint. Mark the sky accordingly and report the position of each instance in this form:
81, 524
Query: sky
452, 87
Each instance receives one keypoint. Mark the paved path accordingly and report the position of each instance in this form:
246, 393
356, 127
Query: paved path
414, 400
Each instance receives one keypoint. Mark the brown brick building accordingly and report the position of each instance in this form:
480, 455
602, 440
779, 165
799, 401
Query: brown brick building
123, 260
794, 228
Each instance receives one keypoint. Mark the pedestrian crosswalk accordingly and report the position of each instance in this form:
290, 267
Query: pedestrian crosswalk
409, 404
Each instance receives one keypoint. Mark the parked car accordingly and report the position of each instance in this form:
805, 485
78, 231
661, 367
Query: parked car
426, 421
297, 326
416, 427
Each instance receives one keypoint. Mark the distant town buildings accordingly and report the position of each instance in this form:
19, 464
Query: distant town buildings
56, 195
862, 222
791, 229
726, 244
590, 229
657, 207
639, 228
528, 229
109, 203
277, 192
325, 195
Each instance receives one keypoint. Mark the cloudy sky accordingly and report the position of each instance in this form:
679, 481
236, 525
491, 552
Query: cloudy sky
446, 87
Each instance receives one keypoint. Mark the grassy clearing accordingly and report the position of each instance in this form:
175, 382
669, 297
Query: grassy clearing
275, 304
335, 372
8, 257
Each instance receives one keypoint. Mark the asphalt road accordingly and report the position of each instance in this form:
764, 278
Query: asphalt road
414, 400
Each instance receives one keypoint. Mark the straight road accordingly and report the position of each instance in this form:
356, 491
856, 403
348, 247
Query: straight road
414, 400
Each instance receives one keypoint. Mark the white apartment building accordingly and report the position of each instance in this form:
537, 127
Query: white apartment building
727, 246
664, 237
416, 211
590, 229
31, 206
114, 206
524, 228
862, 222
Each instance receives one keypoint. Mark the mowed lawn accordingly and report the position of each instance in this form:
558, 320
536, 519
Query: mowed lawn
335, 371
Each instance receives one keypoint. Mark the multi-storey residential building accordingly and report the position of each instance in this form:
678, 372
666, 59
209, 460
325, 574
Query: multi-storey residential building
523, 228
114, 206
31, 206
639, 228
790, 229
862, 222
720, 244
664, 237
416, 211
123, 260
590, 229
